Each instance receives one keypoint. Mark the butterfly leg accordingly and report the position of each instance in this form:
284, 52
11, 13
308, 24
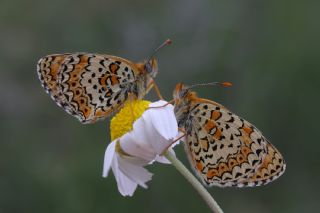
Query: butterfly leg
176, 140
156, 88
131, 98
170, 102
182, 130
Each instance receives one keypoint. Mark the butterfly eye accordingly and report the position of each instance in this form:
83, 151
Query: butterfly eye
148, 67
183, 92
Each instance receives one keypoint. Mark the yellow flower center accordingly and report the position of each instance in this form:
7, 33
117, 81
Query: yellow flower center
123, 121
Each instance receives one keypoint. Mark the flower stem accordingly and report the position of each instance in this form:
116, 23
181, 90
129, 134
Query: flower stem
213, 205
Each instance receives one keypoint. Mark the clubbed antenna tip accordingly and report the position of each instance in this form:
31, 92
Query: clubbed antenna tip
165, 43
226, 84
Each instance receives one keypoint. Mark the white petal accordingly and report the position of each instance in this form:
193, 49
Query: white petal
137, 174
148, 134
125, 185
136, 161
138, 142
143, 131
164, 125
132, 143
108, 157
163, 119
152, 133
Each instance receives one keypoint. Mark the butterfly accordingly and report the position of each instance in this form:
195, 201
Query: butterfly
92, 86
224, 149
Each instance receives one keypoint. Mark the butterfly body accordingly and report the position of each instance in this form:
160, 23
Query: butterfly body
92, 86
224, 149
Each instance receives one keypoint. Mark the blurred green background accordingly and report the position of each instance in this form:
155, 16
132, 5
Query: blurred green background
49, 162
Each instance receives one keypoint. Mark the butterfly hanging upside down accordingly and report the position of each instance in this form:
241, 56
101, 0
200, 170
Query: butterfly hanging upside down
224, 149
92, 86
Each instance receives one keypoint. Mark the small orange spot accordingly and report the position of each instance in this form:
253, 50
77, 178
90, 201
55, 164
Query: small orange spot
54, 70
223, 167
114, 68
98, 113
268, 158
232, 162
218, 134
246, 140
245, 151
80, 67
54, 67
209, 126
76, 72
83, 59
102, 80
215, 115
204, 144
247, 130
211, 173
254, 177
101, 113
114, 80
199, 166
87, 112
240, 158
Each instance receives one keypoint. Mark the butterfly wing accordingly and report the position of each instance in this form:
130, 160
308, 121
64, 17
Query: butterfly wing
48, 73
271, 168
226, 150
87, 86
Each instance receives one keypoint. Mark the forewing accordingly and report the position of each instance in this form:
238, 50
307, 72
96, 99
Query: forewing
226, 150
92, 86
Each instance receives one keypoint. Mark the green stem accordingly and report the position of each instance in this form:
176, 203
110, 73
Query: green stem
213, 205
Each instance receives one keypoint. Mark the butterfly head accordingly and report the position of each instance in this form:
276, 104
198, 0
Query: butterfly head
182, 92
151, 67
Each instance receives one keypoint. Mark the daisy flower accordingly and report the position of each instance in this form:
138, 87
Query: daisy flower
142, 133
139, 135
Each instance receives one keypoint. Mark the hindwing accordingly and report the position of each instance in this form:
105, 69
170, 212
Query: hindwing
227, 150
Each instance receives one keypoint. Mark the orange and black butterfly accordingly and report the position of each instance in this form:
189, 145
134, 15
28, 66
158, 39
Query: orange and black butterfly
224, 149
92, 86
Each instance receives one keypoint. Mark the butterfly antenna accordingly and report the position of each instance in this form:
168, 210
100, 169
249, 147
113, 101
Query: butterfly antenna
224, 84
165, 43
